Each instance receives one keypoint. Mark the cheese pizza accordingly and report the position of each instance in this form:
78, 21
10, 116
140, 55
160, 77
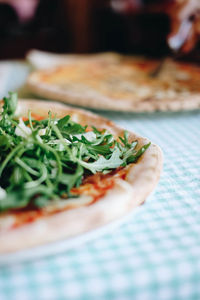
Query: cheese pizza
117, 82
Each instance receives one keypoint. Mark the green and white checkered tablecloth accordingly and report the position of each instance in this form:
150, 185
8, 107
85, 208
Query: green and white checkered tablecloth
155, 254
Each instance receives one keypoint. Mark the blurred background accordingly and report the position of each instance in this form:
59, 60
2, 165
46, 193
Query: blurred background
153, 27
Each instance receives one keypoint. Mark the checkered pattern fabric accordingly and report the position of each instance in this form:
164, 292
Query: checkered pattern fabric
154, 255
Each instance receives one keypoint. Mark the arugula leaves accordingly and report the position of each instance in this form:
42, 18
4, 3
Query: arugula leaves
41, 161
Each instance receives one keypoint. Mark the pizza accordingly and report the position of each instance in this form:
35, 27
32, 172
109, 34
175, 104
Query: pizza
66, 171
117, 82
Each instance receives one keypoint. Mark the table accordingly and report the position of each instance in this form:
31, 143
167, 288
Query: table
155, 254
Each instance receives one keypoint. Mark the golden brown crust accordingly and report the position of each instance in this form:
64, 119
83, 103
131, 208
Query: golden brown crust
120, 83
140, 180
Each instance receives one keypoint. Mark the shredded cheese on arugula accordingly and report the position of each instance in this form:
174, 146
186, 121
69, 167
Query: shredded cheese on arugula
41, 161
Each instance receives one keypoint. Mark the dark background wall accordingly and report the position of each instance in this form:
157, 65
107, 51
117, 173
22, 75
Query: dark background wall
82, 26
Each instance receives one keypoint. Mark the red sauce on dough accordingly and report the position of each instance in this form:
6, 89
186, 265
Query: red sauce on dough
145, 66
34, 116
95, 185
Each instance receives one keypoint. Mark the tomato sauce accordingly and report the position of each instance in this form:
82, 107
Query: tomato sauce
34, 117
96, 186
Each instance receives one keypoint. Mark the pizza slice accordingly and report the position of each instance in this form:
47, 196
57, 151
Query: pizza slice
65, 171
117, 82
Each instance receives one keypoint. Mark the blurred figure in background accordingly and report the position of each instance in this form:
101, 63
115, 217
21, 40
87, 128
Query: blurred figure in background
25, 9
27, 24
151, 27
184, 17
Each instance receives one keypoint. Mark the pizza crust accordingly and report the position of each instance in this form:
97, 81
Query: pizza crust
148, 94
43, 60
127, 194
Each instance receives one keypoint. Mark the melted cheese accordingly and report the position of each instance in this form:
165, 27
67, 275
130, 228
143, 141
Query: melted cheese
125, 79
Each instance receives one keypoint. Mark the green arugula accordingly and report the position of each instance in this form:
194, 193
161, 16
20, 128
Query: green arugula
41, 161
